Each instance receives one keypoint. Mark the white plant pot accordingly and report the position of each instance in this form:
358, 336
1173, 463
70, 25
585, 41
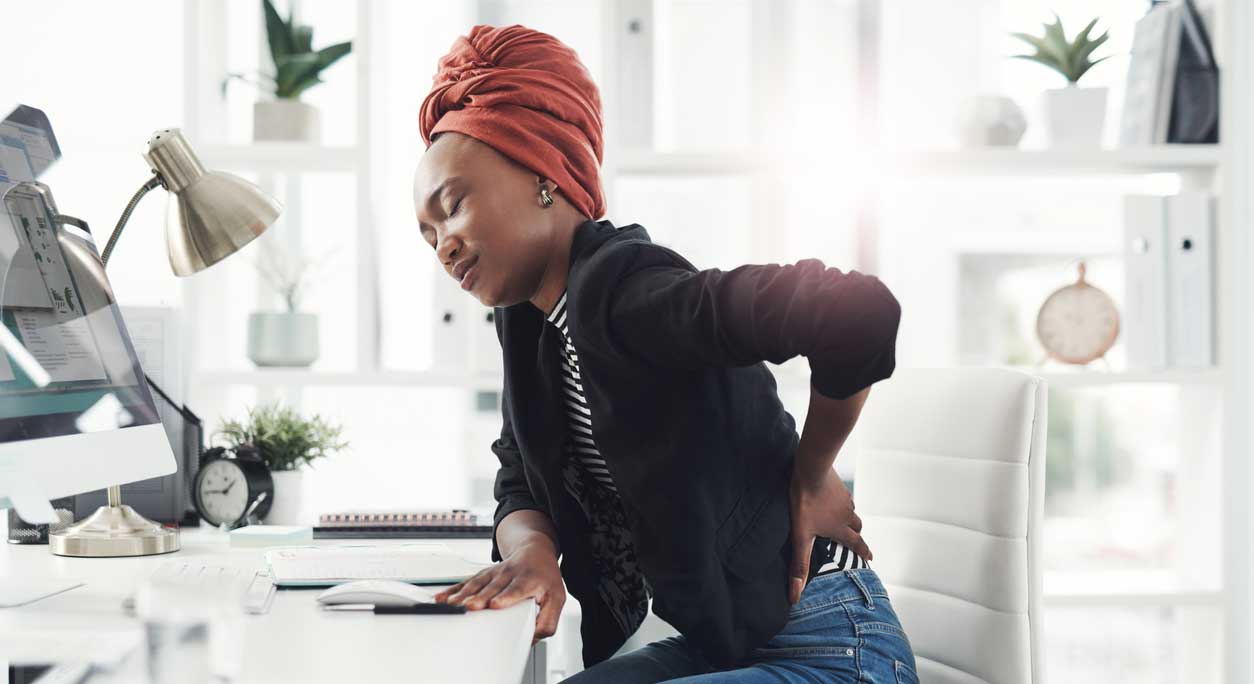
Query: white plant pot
1074, 116
286, 120
290, 503
282, 339
990, 121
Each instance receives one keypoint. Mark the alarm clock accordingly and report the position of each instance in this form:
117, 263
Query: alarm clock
228, 483
1078, 323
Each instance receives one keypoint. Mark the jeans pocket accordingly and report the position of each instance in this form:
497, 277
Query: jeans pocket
905, 675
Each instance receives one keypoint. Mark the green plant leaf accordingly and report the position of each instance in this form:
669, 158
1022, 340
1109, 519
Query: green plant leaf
302, 39
1069, 58
1083, 52
278, 35
1056, 40
1041, 47
1090, 65
282, 438
293, 72
332, 53
297, 90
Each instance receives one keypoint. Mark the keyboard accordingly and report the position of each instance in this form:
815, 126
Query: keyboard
255, 588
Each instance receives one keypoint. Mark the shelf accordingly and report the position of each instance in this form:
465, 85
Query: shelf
1069, 379
695, 163
931, 163
1014, 161
278, 157
1123, 589
300, 377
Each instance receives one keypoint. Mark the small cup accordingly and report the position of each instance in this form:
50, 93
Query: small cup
193, 632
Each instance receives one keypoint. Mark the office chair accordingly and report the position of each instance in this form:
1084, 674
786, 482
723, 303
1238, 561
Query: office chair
950, 477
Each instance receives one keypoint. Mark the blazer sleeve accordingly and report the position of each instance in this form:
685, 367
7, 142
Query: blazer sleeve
510, 488
845, 323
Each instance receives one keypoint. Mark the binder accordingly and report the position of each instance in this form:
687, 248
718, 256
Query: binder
486, 346
1190, 280
450, 327
1145, 266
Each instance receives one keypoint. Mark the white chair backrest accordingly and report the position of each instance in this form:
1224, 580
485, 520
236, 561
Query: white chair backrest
949, 483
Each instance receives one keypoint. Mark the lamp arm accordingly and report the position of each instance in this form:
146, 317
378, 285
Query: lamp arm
148, 185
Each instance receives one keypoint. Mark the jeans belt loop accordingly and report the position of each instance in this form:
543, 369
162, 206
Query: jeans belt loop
866, 593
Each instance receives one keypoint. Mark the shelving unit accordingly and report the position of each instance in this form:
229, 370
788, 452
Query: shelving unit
1227, 169
1013, 161
280, 157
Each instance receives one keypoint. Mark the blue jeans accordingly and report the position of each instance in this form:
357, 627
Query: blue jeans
842, 630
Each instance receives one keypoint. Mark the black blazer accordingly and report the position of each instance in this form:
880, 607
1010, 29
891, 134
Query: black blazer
687, 417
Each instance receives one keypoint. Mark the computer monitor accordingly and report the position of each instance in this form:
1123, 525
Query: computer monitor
75, 411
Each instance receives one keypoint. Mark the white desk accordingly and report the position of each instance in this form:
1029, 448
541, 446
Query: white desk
295, 641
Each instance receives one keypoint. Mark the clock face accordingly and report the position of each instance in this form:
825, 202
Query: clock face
1078, 323
221, 491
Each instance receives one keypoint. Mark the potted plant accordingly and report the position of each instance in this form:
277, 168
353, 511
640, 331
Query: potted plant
1073, 115
288, 337
297, 67
286, 443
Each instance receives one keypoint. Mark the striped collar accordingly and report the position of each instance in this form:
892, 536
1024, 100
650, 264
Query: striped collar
558, 309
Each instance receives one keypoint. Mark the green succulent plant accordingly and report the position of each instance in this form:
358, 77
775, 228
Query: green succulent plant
282, 438
1072, 58
297, 66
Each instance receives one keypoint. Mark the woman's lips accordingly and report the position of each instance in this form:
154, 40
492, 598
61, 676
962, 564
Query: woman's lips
469, 276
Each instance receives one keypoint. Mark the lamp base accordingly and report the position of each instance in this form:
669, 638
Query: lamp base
114, 531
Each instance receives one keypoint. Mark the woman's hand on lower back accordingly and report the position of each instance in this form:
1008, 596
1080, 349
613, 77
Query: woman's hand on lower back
820, 509
531, 571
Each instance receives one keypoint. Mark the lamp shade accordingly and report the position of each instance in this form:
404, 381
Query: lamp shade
211, 214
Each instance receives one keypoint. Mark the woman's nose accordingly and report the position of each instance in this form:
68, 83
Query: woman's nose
447, 249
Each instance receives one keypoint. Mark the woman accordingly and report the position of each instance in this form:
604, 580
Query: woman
643, 441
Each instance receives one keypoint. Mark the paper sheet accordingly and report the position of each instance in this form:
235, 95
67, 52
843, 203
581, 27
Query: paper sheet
65, 349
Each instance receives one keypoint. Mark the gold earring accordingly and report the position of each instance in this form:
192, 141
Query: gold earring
545, 198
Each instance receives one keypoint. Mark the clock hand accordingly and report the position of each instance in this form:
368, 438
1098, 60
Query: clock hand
222, 491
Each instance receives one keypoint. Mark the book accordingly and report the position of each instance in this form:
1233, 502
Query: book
453, 523
1150, 80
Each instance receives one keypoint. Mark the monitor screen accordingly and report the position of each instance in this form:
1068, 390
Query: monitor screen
67, 365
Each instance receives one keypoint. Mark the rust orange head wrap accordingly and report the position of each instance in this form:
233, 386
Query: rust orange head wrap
526, 94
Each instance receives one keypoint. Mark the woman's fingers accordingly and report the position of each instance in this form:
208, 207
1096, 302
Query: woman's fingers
489, 591
472, 586
442, 595
550, 612
513, 592
800, 572
854, 541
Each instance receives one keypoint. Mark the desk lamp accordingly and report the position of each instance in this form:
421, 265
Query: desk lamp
210, 216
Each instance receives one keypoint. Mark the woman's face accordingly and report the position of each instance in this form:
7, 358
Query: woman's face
476, 206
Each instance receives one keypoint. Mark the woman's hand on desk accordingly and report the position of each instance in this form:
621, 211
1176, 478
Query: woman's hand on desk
531, 571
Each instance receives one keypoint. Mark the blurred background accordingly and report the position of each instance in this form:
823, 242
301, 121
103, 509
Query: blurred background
738, 131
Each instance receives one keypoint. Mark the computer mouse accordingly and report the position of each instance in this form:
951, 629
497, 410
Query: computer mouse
377, 592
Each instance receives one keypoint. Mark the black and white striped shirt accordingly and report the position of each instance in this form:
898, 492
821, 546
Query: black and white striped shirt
579, 420
578, 417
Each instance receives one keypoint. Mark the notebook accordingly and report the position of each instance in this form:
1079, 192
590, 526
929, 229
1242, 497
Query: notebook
456, 523
324, 566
